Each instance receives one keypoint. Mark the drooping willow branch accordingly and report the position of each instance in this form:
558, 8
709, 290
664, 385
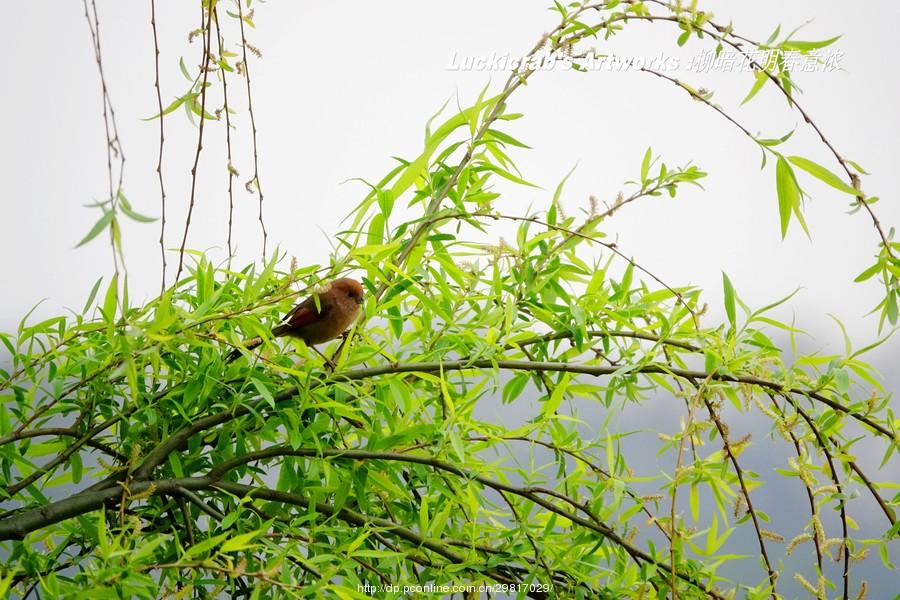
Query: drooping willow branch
206, 29
745, 492
113, 141
162, 139
17, 526
227, 110
159, 454
255, 181
726, 35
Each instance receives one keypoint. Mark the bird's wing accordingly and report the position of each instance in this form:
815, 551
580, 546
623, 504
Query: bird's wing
303, 313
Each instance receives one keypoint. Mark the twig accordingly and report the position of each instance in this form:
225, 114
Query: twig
205, 22
226, 110
162, 138
255, 180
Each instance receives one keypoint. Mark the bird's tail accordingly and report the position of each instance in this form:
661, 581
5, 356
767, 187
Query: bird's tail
283, 329
248, 345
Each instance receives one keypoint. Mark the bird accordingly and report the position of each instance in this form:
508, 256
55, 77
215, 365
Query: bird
338, 308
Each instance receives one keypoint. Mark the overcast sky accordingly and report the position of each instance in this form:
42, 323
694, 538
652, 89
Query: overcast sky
343, 87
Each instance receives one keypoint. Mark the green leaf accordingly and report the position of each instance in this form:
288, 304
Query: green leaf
694, 500
417, 168
77, 467
868, 273
99, 226
558, 193
92, 295
264, 391
729, 299
239, 542
505, 174
891, 309
645, 165
823, 174
514, 387
506, 139
112, 296
788, 193
130, 213
842, 380
761, 77
559, 392
807, 46
184, 70
423, 515
173, 106
771, 142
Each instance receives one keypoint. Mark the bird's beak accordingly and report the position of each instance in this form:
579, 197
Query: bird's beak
360, 299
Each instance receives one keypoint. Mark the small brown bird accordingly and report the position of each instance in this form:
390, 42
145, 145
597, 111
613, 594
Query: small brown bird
339, 304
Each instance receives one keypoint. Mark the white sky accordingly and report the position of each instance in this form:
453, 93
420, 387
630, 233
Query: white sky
342, 88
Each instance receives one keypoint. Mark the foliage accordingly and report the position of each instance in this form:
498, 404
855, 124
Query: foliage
136, 460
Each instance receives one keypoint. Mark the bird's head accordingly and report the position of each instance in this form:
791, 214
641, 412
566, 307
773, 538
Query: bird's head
349, 288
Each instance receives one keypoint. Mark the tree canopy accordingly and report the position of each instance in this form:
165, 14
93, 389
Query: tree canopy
452, 438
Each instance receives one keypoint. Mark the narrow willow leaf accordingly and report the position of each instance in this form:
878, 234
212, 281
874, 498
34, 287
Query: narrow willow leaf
239, 542
92, 295
112, 296
729, 299
184, 70
506, 139
868, 273
505, 174
820, 172
891, 308
172, 107
807, 46
136, 216
559, 393
417, 168
432, 118
788, 193
645, 164
99, 226
761, 78
557, 193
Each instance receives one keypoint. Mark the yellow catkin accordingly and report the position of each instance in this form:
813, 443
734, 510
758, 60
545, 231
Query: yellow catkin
839, 542
863, 588
806, 585
872, 403
825, 489
771, 535
803, 537
861, 555
784, 431
764, 409
145, 494
817, 527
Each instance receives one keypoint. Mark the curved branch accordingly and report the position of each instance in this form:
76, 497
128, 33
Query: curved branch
531, 493
159, 454
754, 517
18, 526
358, 519
521, 365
